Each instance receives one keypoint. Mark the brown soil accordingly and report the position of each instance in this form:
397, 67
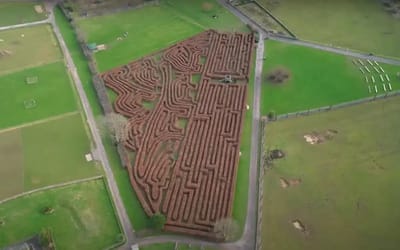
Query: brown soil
187, 173
317, 138
278, 75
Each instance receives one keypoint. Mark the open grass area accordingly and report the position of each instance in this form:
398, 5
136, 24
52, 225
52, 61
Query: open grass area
317, 78
27, 47
152, 28
11, 170
83, 217
43, 154
358, 24
348, 195
52, 94
19, 12
54, 152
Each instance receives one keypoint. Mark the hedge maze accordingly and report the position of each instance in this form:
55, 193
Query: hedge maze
186, 143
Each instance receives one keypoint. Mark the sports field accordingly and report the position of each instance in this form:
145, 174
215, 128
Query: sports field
317, 79
19, 12
47, 153
27, 47
51, 93
347, 197
83, 217
358, 24
152, 28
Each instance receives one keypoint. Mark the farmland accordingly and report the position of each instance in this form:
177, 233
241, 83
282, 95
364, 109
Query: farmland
359, 24
62, 142
347, 193
83, 217
27, 47
152, 28
15, 92
317, 79
19, 12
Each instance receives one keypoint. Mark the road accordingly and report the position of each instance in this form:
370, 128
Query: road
100, 151
343, 51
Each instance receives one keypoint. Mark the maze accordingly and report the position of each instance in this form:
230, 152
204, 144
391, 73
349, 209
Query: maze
184, 122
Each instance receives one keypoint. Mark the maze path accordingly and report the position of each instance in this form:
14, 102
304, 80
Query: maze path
187, 146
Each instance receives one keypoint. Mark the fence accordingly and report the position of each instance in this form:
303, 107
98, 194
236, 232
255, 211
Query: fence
333, 107
261, 173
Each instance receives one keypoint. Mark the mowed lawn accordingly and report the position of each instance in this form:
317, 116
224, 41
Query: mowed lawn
27, 47
348, 196
44, 154
83, 217
358, 24
12, 165
152, 28
19, 12
52, 93
318, 78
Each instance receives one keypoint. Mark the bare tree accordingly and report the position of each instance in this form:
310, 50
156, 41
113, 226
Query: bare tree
226, 229
114, 125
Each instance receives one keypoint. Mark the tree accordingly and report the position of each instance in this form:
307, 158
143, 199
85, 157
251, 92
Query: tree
158, 221
115, 125
226, 229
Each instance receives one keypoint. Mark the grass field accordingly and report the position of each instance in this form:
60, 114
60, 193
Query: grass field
152, 28
44, 154
28, 47
83, 217
358, 24
348, 195
318, 79
15, 13
12, 168
53, 94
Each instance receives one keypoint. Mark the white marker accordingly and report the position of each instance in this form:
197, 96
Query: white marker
369, 89
376, 63
373, 79
361, 62
384, 87
387, 78
377, 70
381, 69
381, 78
370, 62
390, 86
367, 69
362, 71
376, 89
366, 79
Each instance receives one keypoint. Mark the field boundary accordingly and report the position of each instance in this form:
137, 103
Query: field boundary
261, 173
49, 119
308, 112
50, 187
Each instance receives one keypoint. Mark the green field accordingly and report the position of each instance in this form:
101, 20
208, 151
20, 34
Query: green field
52, 93
83, 217
28, 47
317, 79
44, 154
12, 168
15, 13
358, 24
151, 29
348, 195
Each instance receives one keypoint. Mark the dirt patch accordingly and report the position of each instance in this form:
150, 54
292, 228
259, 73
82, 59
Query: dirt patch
38, 9
317, 138
285, 183
278, 75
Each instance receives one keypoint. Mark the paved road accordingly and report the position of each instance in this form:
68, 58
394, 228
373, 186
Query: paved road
24, 25
336, 50
101, 153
